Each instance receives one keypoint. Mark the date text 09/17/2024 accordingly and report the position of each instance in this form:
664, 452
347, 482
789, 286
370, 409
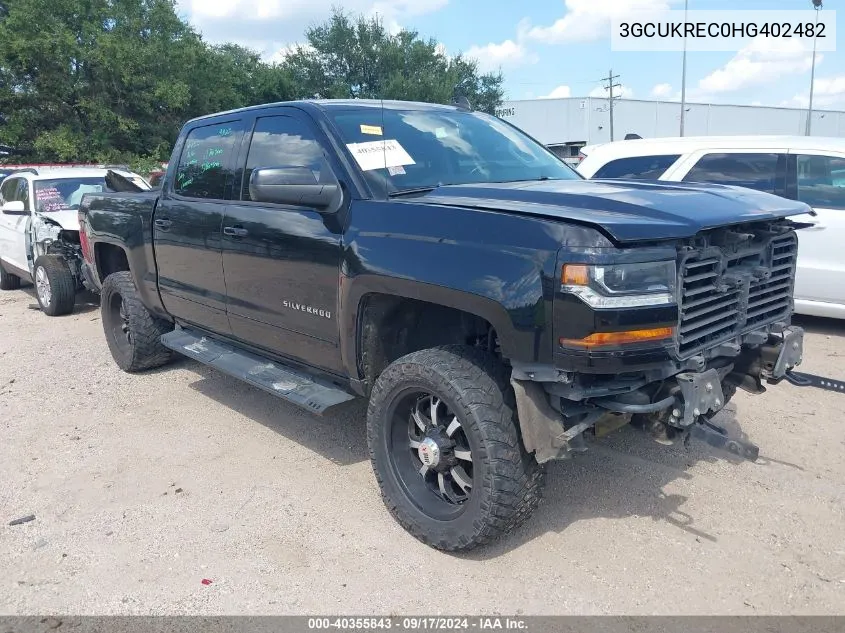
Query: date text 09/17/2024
418, 623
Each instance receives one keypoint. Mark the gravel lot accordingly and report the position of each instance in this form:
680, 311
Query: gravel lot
143, 486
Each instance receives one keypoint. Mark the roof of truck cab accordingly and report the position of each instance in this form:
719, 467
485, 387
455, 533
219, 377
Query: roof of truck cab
333, 104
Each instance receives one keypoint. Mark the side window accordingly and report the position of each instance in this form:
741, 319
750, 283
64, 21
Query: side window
9, 189
821, 181
23, 192
755, 171
281, 141
206, 160
637, 167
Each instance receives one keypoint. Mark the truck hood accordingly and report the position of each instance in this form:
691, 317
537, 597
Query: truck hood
626, 210
68, 220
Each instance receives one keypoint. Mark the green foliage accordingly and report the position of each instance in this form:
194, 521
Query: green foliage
114, 80
356, 58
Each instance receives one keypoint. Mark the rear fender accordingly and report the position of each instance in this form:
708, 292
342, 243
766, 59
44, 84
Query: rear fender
125, 221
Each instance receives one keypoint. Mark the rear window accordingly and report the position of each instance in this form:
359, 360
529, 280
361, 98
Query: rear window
638, 167
207, 159
821, 181
65, 194
763, 172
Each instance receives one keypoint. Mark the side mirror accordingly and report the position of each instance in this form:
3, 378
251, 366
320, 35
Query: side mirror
15, 207
296, 186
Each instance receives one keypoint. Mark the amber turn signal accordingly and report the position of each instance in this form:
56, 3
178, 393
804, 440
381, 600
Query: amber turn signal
607, 339
575, 275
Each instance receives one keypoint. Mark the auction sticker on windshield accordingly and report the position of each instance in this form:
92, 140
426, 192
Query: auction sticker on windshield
380, 154
49, 199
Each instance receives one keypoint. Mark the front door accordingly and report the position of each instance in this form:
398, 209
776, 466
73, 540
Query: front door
282, 262
188, 223
821, 261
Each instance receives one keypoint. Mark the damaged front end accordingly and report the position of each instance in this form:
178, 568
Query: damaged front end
668, 368
47, 236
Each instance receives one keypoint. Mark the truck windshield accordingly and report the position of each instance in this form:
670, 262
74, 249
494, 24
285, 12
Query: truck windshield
415, 150
65, 194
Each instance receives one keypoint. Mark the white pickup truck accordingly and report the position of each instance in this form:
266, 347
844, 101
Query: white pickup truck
39, 230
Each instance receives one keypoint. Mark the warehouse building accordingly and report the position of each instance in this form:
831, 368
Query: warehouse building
566, 125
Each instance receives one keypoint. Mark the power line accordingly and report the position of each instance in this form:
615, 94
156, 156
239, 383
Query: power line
609, 88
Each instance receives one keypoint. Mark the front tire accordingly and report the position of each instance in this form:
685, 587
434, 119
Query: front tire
8, 281
132, 333
55, 287
446, 451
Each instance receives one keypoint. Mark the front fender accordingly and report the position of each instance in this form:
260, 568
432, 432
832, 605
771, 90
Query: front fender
496, 266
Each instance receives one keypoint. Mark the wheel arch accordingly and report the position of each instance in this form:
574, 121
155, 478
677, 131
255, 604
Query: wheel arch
387, 318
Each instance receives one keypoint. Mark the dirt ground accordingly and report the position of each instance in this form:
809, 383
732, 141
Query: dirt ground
145, 486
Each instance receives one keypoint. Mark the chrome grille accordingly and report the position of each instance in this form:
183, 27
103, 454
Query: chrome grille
725, 293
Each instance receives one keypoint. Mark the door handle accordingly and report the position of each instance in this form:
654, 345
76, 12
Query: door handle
235, 231
164, 223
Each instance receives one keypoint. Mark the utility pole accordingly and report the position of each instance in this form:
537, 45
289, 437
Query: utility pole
817, 5
684, 72
609, 87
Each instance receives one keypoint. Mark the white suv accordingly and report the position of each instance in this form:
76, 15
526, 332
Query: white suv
809, 169
39, 230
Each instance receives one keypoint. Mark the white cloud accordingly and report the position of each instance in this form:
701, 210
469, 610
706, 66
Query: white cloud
829, 86
279, 56
661, 91
828, 92
493, 56
590, 19
620, 91
760, 62
266, 26
561, 92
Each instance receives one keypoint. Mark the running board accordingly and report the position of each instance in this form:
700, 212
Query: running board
282, 381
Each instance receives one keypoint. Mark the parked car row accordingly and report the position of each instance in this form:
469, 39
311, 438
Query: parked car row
493, 306
808, 169
39, 229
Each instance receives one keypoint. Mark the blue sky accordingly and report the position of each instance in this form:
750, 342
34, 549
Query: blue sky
553, 47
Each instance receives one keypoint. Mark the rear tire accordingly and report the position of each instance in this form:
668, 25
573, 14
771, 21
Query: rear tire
55, 287
8, 281
132, 333
480, 482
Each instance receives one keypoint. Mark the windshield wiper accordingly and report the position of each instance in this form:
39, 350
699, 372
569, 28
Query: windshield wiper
410, 192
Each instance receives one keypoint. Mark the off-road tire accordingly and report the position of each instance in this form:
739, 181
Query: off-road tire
142, 348
8, 281
507, 481
62, 285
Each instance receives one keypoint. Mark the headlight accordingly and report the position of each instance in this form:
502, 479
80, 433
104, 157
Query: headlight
621, 285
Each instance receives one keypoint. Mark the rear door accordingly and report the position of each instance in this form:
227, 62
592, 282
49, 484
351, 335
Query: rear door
187, 227
759, 169
820, 182
13, 227
282, 262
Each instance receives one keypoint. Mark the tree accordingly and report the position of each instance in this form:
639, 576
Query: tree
355, 57
109, 80
114, 80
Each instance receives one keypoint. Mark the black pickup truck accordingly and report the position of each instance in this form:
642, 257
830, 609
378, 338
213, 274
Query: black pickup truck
492, 305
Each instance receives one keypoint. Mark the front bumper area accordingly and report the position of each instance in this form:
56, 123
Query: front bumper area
552, 420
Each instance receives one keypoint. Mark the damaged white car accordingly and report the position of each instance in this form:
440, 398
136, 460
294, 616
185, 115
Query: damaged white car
39, 229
